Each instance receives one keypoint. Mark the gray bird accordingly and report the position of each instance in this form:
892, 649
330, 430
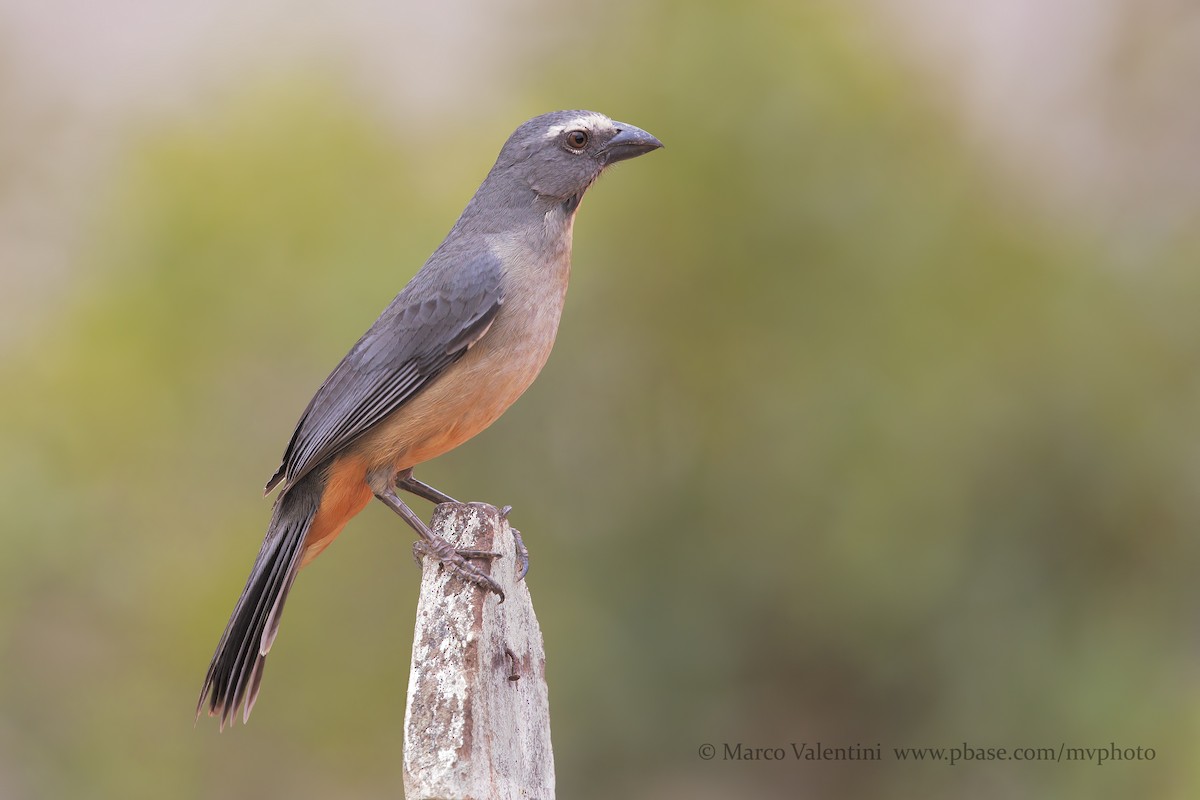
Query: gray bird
459, 344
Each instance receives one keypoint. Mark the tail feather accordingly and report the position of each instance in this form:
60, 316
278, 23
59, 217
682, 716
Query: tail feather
271, 625
235, 673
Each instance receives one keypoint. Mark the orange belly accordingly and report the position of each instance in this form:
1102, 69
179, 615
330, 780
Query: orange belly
346, 493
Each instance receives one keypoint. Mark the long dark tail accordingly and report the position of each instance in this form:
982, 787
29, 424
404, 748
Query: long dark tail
236, 670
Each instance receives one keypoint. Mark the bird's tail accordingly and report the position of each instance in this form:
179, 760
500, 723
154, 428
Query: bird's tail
236, 670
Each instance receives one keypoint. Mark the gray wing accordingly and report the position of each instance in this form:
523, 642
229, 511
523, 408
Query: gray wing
429, 326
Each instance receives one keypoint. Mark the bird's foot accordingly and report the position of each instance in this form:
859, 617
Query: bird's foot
519, 544
457, 561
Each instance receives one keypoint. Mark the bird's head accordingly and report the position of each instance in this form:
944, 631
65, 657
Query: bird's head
559, 155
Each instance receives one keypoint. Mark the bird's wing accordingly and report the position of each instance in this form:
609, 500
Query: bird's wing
429, 326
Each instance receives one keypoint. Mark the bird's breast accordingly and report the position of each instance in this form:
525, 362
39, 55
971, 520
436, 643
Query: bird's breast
473, 392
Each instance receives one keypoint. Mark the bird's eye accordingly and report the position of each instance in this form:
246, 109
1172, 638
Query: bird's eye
577, 140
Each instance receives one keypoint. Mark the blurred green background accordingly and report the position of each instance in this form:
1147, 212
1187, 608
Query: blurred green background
872, 420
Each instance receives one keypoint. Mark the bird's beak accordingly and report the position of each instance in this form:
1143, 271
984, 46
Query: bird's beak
630, 142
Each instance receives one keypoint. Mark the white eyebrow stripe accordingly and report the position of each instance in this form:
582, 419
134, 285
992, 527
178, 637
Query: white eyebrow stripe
588, 121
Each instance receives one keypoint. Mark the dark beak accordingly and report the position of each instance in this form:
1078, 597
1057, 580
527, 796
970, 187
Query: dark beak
630, 142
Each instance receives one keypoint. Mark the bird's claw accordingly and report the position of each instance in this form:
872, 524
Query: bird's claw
519, 543
522, 554
456, 561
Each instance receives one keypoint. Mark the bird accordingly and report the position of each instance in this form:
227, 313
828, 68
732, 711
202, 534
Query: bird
452, 351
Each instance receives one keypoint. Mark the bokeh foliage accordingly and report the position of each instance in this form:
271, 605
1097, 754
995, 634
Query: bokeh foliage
843, 440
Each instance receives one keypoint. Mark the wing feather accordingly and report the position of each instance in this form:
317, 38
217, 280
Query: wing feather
444, 310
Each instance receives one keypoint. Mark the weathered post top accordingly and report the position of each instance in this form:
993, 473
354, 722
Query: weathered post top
477, 722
